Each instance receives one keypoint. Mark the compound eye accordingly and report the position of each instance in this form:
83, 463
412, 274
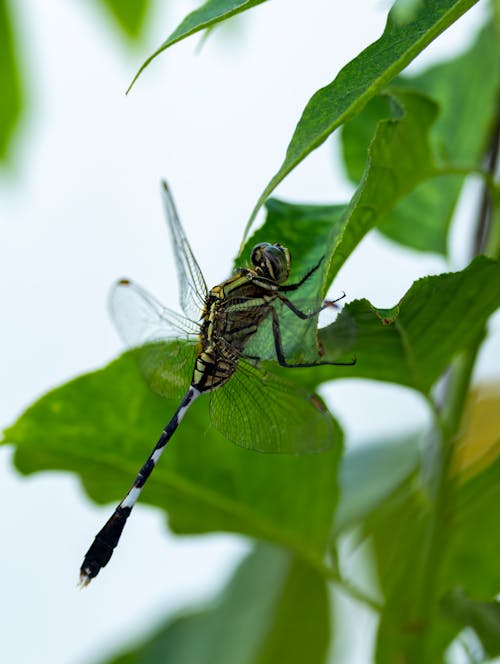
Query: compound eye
256, 255
272, 260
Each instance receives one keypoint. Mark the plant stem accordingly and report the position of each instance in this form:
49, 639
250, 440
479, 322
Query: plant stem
485, 174
351, 589
458, 385
448, 422
484, 227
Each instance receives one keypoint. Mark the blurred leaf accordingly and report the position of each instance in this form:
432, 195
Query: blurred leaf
206, 16
103, 425
400, 534
10, 82
405, 10
479, 443
466, 89
363, 77
274, 609
468, 103
472, 561
483, 617
400, 157
129, 15
370, 473
421, 555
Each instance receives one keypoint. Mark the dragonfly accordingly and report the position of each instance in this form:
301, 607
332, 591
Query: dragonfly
213, 348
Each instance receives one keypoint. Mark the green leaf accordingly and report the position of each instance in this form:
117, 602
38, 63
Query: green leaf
413, 343
400, 157
103, 425
370, 473
472, 561
10, 82
464, 88
363, 77
421, 557
483, 617
206, 16
400, 533
410, 344
129, 15
274, 609
357, 134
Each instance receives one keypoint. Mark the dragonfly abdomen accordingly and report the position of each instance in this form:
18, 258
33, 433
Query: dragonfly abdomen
107, 538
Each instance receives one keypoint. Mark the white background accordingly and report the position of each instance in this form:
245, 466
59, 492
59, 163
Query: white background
82, 207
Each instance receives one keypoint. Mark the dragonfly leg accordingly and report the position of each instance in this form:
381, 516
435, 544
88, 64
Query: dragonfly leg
281, 355
302, 314
292, 287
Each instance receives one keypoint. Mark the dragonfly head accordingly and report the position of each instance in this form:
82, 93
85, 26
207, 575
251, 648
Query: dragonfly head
271, 261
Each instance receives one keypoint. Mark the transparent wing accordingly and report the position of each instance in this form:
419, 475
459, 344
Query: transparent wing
262, 412
298, 337
163, 342
192, 287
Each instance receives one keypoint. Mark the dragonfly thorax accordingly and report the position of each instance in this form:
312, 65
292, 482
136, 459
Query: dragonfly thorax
271, 261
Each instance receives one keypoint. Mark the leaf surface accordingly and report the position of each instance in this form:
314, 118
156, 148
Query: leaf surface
103, 425
400, 157
206, 16
364, 77
413, 343
463, 88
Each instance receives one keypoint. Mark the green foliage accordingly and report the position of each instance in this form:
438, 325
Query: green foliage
368, 474
421, 335
425, 501
416, 618
205, 483
310, 232
205, 17
422, 219
412, 343
483, 617
399, 158
130, 15
10, 85
363, 77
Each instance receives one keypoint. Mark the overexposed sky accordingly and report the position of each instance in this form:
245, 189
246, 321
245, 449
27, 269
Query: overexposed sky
82, 208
